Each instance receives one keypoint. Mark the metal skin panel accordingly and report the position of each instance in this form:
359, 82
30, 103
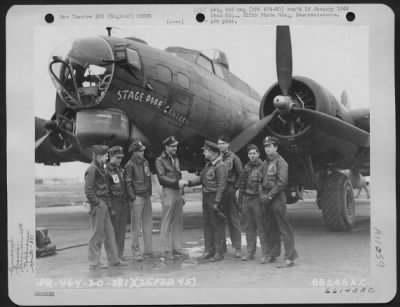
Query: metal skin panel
203, 110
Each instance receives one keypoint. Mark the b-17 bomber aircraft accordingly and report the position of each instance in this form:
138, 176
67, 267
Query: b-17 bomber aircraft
112, 90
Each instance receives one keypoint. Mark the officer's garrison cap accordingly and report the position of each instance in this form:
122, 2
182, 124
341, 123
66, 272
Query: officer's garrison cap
251, 147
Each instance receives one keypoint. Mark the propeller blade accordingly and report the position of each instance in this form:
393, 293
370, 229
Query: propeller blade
71, 137
284, 64
248, 134
335, 127
41, 140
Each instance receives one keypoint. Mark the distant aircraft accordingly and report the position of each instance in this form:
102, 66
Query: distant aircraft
112, 90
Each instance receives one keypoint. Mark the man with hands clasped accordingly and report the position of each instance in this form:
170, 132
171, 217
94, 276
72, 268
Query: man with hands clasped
98, 195
139, 190
273, 199
250, 204
169, 175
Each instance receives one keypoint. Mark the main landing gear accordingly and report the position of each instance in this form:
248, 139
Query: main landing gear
337, 202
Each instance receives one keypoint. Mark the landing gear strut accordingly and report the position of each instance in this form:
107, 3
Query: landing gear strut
337, 202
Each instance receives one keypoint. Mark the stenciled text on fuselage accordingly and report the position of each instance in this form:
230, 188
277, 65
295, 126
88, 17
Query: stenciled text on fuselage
140, 96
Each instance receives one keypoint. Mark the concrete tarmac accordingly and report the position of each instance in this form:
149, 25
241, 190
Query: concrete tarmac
322, 254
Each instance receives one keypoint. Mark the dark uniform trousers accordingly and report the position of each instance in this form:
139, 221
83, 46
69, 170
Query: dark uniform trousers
254, 224
232, 216
214, 226
102, 231
277, 225
119, 221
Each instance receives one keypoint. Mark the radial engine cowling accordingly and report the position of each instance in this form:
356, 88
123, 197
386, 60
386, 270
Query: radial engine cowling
288, 125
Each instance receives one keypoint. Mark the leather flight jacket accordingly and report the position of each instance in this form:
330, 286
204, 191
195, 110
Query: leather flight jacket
233, 166
274, 175
115, 179
95, 184
168, 171
213, 178
250, 181
138, 178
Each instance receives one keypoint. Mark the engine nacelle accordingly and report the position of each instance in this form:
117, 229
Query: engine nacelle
305, 93
296, 133
101, 126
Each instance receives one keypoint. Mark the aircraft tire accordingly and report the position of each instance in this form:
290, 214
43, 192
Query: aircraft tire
337, 201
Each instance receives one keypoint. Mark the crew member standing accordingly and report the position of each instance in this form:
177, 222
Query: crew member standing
119, 201
101, 228
273, 198
169, 175
230, 205
213, 179
138, 185
250, 204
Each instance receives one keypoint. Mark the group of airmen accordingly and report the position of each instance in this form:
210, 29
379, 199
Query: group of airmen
114, 192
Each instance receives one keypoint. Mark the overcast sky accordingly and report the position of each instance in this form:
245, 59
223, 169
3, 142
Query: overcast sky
334, 56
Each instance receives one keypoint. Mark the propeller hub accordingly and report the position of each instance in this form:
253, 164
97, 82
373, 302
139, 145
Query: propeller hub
283, 103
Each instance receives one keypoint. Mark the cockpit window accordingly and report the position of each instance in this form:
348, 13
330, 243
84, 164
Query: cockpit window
82, 71
133, 59
205, 63
218, 71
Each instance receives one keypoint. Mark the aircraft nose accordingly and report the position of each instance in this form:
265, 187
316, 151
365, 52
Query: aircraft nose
82, 71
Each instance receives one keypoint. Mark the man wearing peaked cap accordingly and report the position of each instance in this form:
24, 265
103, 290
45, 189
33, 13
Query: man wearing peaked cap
170, 141
273, 198
213, 180
210, 146
230, 205
136, 146
98, 195
249, 200
116, 151
169, 175
118, 198
139, 188
99, 150
271, 140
